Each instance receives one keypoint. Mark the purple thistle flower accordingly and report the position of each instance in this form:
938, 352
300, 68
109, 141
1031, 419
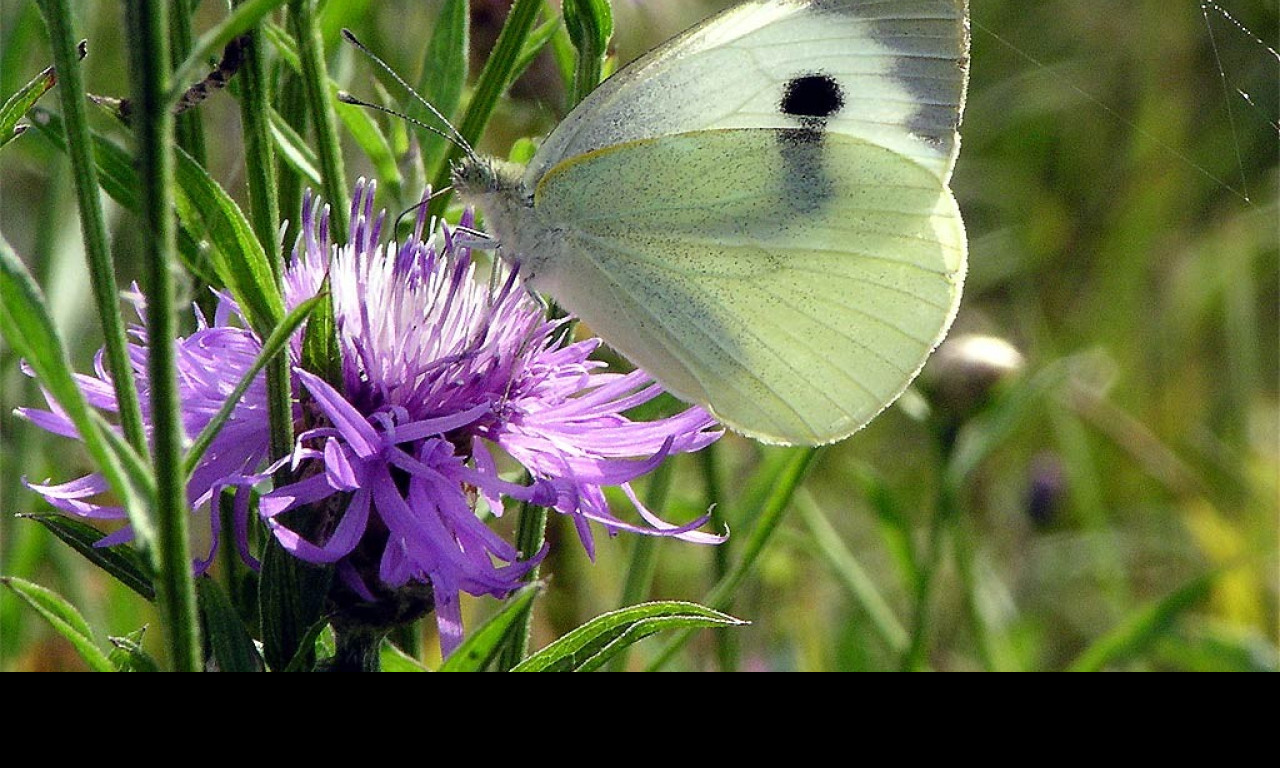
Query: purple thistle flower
438, 369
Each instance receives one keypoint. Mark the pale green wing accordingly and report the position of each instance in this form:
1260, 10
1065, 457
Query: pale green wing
901, 67
792, 282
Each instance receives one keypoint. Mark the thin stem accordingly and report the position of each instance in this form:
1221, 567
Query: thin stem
106, 292
726, 642
772, 511
291, 97
190, 129
494, 80
153, 127
315, 81
531, 530
913, 660
264, 212
644, 552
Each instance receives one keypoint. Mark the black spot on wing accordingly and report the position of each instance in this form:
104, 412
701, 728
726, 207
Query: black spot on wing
811, 98
816, 96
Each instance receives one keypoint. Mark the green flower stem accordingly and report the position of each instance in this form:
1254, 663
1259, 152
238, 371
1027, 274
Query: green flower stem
315, 81
913, 659
264, 215
494, 81
726, 642
986, 642
153, 132
531, 530
57, 15
644, 553
190, 128
292, 106
590, 27
772, 511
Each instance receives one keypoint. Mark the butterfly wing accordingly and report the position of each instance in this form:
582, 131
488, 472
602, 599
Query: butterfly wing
792, 281
900, 67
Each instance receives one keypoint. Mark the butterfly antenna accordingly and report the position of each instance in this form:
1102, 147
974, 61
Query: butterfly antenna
347, 98
456, 138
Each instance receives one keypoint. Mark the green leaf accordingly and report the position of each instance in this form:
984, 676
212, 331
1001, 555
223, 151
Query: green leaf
284, 45
24, 99
26, 325
274, 345
395, 660
122, 561
127, 654
1143, 627
483, 645
592, 644
238, 258
321, 353
444, 74
369, 137
229, 643
64, 618
562, 50
590, 25
294, 150
541, 35
291, 595
119, 180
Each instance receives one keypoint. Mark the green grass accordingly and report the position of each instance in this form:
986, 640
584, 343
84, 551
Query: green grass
1122, 209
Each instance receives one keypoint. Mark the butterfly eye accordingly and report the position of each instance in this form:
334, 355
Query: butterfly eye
812, 96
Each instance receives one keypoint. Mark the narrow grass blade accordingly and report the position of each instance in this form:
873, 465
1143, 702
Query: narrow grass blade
1143, 627
274, 345
24, 99
851, 574
443, 77
293, 149
239, 259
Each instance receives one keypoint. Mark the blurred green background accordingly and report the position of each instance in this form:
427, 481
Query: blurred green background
1119, 183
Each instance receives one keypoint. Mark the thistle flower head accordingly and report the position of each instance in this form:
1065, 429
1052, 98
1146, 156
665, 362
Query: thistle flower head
444, 368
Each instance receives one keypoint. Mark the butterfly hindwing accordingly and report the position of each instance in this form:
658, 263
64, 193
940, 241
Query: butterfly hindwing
794, 304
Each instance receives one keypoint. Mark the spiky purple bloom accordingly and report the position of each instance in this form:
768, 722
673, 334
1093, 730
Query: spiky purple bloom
439, 368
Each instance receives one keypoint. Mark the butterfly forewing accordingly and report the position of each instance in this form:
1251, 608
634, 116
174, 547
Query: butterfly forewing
899, 66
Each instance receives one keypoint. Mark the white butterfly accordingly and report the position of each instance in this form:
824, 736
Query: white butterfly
757, 212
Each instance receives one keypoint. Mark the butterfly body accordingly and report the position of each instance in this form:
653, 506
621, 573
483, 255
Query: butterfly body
757, 212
